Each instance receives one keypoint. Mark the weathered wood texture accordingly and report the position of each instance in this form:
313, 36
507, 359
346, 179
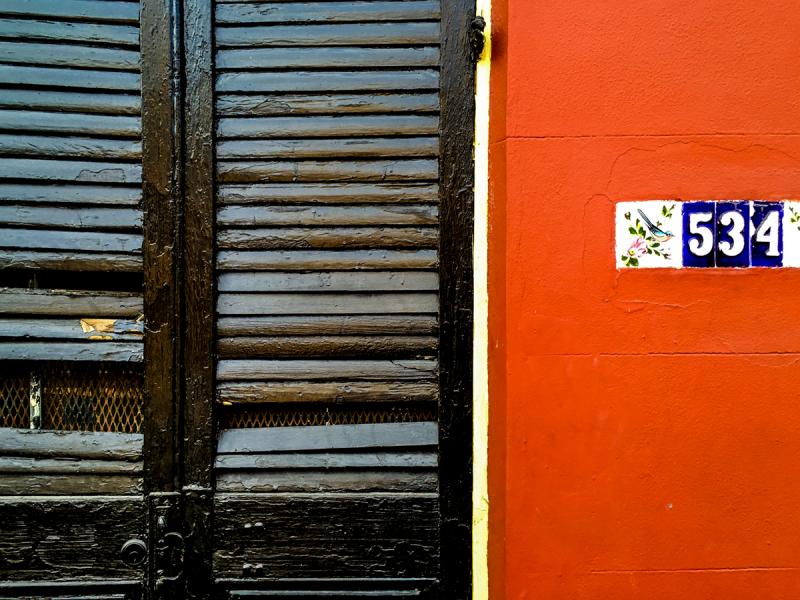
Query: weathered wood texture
345, 589
341, 535
60, 538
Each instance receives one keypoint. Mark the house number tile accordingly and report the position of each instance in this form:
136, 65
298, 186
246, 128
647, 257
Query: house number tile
727, 234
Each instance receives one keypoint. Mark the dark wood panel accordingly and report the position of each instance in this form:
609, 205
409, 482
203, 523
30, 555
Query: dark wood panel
330, 81
377, 170
68, 538
69, 147
328, 325
324, 58
231, 105
328, 148
73, 444
350, 391
70, 261
62, 303
327, 237
64, 55
59, 466
316, 370
327, 126
69, 194
71, 218
91, 241
109, 589
343, 34
279, 12
327, 260
69, 78
72, 329
327, 437
351, 535
324, 193
329, 282
78, 351
300, 304
76, 10
70, 170
292, 481
310, 346
324, 460
79, 124
64, 485
59, 31
81, 102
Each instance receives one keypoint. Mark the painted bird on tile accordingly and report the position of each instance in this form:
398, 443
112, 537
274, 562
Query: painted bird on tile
658, 233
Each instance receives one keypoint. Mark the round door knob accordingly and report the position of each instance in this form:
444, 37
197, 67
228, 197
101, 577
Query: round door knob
133, 552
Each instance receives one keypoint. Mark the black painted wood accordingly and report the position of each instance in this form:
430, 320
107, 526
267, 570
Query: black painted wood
279, 12
323, 58
24, 53
82, 79
75, 10
58, 31
332, 81
232, 105
71, 123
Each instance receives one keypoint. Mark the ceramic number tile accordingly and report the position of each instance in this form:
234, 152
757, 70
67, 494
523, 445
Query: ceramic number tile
791, 234
733, 234
766, 235
699, 225
648, 234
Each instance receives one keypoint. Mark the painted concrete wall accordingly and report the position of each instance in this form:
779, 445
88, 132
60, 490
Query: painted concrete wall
645, 425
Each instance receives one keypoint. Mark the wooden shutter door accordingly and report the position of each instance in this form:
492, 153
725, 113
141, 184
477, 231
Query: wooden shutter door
322, 237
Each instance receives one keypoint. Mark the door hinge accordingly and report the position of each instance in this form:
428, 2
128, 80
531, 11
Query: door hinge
477, 38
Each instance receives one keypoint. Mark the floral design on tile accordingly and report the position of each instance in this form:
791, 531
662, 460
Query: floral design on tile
791, 234
648, 234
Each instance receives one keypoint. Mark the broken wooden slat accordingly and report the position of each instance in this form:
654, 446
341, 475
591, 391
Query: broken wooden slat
280, 392
63, 303
333, 370
231, 105
71, 444
327, 325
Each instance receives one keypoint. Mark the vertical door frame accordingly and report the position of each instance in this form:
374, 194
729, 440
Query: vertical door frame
456, 209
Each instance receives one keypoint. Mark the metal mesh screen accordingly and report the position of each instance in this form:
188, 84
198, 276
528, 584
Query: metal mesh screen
234, 417
14, 396
92, 396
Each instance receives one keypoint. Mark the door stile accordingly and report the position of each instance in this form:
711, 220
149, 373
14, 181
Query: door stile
161, 150
199, 293
455, 274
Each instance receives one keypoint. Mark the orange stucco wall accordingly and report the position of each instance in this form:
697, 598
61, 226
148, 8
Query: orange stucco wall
645, 425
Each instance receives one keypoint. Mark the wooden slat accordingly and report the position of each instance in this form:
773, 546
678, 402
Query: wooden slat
322, 304
69, 147
25, 120
345, 281
77, 444
231, 105
328, 346
62, 303
326, 481
278, 12
330, 81
324, 58
69, 78
325, 260
331, 437
322, 460
64, 55
328, 325
72, 329
330, 126
333, 370
261, 392
333, 193
251, 216
59, 31
70, 170
77, 10
52, 466
324, 148
343, 34
377, 170
75, 483
328, 237
70, 261
77, 351
69, 194
72, 218
82, 102
91, 241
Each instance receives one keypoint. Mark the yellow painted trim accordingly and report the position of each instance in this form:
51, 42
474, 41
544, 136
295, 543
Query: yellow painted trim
480, 350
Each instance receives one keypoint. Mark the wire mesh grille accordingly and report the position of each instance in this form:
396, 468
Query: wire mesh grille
235, 417
92, 397
14, 396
